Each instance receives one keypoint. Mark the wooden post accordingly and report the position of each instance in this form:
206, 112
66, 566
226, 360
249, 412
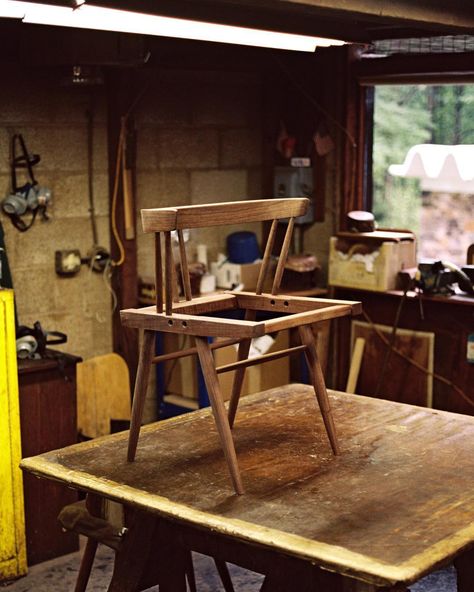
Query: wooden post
120, 95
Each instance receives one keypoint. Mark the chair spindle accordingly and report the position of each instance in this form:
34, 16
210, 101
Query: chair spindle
158, 274
184, 267
283, 255
168, 275
266, 257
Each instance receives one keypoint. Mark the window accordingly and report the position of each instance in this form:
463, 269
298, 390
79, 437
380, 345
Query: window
433, 192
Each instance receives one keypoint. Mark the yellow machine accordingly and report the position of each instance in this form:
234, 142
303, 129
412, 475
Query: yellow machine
12, 522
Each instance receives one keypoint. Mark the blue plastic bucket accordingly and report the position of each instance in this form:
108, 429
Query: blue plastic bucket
242, 247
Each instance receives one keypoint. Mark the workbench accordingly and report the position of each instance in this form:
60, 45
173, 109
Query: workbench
396, 504
450, 318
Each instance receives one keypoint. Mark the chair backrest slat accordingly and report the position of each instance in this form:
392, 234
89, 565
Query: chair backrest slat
218, 214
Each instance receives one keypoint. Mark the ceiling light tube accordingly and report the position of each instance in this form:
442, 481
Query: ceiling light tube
111, 19
12, 9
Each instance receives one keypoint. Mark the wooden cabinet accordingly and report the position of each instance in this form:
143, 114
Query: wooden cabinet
451, 319
12, 526
48, 421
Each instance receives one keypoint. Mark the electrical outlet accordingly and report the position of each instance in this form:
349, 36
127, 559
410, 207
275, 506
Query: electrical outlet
67, 262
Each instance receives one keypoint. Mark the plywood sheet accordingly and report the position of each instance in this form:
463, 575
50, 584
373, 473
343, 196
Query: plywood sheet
103, 393
402, 381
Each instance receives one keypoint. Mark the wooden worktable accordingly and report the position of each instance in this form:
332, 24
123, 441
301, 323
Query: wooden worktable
397, 503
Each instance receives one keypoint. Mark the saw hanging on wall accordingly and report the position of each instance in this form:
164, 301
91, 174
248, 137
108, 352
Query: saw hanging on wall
29, 197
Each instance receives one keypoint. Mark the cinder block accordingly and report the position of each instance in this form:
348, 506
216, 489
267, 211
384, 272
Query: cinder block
190, 148
147, 148
70, 194
145, 255
167, 101
33, 291
255, 184
226, 103
218, 185
61, 148
162, 188
102, 339
100, 151
241, 147
4, 152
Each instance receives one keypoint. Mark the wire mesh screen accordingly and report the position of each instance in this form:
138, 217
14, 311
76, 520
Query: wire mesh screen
421, 45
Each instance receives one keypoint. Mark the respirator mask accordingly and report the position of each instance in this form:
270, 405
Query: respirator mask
31, 342
29, 197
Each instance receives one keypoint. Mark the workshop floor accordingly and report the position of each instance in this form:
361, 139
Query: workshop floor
59, 575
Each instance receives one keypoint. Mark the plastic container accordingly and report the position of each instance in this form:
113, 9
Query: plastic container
242, 247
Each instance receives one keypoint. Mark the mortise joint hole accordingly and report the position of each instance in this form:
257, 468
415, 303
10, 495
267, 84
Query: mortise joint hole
184, 323
272, 302
170, 323
286, 303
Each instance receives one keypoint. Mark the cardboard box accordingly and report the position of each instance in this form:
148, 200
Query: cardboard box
370, 261
181, 375
229, 275
259, 377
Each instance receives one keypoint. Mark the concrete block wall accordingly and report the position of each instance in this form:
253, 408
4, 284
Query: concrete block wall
52, 119
199, 140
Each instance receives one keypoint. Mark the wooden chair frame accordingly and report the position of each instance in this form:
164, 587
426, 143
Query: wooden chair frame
189, 316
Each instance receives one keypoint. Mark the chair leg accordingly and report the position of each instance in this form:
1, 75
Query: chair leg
244, 348
139, 393
189, 568
212, 384
224, 575
317, 378
85, 568
239, 376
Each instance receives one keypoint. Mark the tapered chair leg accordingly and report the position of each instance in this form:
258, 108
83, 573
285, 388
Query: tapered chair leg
317, 378
189, 568
244, 348
217, 403
85, 568
139, 394
224, 575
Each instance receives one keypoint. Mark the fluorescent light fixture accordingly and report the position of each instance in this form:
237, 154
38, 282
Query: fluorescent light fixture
123, 21
11, 9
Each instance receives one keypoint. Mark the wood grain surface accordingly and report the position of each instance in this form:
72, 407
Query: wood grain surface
396, 503
217, 214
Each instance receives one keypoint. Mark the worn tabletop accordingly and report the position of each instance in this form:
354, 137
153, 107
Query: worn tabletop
396, 503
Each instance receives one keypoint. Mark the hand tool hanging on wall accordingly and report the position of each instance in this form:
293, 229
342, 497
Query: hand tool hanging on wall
29, 197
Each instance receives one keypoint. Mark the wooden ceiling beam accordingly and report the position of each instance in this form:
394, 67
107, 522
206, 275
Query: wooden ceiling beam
353, 20
416, 69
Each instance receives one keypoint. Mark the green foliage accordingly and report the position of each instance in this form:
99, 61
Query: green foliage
402, 119
405, 116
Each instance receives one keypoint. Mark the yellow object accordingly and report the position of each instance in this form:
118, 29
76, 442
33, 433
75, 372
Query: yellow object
103, 393
12, 521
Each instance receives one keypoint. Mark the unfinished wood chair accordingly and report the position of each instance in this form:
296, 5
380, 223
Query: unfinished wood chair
193, 316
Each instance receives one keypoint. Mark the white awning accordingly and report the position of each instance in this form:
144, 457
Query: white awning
439, 167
